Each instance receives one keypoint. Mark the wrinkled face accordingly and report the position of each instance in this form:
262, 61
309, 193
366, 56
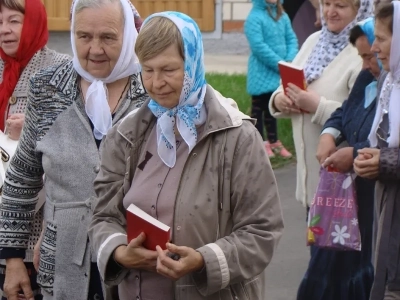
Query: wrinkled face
370, 61
382, 43
11, 22
163, 76
338, 14
98, 38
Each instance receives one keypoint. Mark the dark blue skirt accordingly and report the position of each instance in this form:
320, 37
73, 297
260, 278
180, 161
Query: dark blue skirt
344, 275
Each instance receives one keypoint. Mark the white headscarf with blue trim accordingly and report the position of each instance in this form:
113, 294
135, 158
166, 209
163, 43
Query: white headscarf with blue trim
190, 111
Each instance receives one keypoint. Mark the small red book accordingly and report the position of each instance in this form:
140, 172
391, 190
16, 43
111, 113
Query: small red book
292, 74
138, 221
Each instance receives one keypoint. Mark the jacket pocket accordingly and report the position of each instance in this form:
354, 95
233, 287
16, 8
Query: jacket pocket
45, 276
252, 288
238, 292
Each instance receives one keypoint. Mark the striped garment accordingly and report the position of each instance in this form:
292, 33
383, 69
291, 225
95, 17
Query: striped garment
17, 105
58, 141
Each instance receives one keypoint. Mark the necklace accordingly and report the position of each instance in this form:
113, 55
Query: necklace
120, 97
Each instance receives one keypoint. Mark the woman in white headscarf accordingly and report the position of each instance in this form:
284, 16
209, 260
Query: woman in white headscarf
381, 162
331, 65
70, 109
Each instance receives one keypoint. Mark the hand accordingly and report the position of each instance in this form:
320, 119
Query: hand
135, 256
36, 251
366, 164
285, 105
326, 147
17, 279
305, 100
14, 124
342, 160
190, 261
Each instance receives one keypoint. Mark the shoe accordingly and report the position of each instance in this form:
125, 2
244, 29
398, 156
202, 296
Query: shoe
269, 149
279, 149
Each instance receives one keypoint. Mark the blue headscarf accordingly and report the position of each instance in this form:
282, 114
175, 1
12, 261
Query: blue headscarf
190, 110
367, 26
371, 90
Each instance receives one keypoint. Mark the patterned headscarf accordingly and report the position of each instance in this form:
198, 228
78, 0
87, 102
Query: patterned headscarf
96, 103
190, 110
331, 44
390, 94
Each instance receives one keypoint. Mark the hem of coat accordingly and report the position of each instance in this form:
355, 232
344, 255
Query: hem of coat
106, 250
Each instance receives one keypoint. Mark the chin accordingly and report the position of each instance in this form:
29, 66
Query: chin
335, 28
10, 52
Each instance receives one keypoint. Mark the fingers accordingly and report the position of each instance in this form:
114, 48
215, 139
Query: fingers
26, 288
16, 117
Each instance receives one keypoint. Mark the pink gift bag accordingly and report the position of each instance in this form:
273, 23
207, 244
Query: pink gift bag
333, 219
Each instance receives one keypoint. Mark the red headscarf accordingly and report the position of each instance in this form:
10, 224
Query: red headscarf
34, 36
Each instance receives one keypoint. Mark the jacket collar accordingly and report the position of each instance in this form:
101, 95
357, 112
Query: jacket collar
221, 115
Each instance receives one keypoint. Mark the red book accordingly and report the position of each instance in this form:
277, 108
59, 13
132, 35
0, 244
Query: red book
157, 233
292, 74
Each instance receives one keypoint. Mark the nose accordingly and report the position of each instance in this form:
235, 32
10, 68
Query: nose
158, 80
4, 28
374, 47
331, 11
96, 47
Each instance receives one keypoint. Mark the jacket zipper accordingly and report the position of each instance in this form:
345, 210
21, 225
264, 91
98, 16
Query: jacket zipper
234, 294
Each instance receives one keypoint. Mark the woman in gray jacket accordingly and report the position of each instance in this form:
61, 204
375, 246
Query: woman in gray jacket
195, 164
71, 106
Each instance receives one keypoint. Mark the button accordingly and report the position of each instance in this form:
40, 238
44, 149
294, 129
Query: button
137, 297
178, 228
12, 100
160, 185
137, 277
355, 133
96, 169
194, 154
153, 207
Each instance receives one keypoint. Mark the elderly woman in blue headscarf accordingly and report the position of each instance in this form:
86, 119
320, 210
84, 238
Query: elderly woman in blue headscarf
349, 275
195, 164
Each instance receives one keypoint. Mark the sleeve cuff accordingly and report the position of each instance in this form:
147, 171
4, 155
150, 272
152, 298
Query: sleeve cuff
111, 272
332, 131
215, 276
6, 253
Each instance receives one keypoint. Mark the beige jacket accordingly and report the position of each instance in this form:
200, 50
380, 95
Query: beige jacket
227, 206
334, 87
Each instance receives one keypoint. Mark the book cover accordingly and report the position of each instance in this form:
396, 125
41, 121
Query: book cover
138, 221
292, 74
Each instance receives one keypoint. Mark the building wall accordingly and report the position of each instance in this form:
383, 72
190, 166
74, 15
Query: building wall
234, 13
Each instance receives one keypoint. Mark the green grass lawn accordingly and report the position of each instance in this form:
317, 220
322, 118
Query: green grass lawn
234, 86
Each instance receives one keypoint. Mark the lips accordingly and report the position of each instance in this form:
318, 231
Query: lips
97, 62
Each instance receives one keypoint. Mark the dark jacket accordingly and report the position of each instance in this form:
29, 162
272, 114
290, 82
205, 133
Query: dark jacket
353, 120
